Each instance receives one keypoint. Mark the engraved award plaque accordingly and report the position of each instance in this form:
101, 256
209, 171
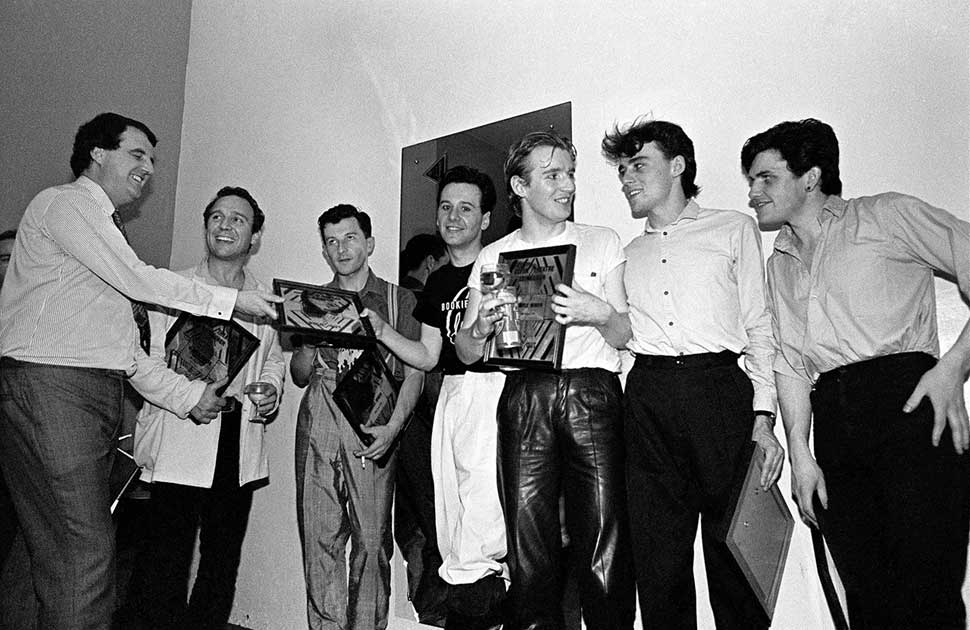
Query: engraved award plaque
533, 276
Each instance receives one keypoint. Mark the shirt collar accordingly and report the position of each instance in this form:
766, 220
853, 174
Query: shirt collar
202, 272
785, 241
690, 213
373, 284
835, 205
98, 192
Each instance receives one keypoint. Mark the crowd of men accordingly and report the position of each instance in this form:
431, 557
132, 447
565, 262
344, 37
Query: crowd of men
496, 468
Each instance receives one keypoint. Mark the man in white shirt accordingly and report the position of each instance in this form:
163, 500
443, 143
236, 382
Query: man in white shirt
70, 334
560, 433
203, 474
695, 284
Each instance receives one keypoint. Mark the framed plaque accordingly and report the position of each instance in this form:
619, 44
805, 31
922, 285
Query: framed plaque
533, 276
323, 314
208, 349
366, 393
759, 532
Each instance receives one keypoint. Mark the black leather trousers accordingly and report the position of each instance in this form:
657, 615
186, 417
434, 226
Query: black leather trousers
560, 434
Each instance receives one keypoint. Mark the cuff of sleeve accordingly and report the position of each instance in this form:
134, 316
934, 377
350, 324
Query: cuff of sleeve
192, 398
764, 401
222, 304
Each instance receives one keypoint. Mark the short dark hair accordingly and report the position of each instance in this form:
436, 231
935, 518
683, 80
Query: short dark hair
803, 144
103, 131
467, 175
236, 191
343, 211
419, 247
8, 235
517, 161
627, 140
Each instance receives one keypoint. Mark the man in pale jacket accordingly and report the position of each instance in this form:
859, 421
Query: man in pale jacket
203, 474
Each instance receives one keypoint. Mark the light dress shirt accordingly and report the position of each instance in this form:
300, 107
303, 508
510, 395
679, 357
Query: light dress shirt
697, 286
176, 450
868, 291
598, 252
66, 299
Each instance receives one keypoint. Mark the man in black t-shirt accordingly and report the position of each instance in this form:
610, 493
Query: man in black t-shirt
467, 515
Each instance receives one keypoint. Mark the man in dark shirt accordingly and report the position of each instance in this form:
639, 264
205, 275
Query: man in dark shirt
465, 513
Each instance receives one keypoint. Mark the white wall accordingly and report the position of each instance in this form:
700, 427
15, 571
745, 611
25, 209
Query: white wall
63, 63
309, 104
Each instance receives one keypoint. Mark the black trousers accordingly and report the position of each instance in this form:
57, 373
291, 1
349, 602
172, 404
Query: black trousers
414, 519
8, 522
899, 508
688, 421
159, 587
561, 434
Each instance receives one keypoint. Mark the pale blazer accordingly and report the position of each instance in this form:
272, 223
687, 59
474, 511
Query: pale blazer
177, 450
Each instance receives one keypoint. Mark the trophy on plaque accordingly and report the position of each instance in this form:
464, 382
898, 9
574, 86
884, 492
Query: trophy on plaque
495, 280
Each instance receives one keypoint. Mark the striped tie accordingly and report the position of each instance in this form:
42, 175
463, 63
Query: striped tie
138, 310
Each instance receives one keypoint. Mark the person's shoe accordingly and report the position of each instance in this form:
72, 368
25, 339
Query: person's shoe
476, 606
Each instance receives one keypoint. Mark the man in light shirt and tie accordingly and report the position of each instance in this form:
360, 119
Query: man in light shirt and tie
68, 341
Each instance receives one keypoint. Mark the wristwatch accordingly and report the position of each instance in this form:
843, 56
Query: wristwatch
770, 414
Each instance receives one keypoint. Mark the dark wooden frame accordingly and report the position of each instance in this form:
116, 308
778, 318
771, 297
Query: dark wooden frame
351, 330
228, 341
353, 397
543, 338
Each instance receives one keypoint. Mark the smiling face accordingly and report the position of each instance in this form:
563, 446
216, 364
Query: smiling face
548, 187
649, 179
124, 172
346, 248
775, 193
229, 228
459, 218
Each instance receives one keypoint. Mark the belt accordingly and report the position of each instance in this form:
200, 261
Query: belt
870, 370
686, 361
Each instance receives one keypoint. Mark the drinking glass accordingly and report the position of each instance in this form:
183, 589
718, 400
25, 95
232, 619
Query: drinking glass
257, 392
494, 280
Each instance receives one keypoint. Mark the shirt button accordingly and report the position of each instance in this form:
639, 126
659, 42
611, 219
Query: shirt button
663, 260
670, 323
665, 234
666, 292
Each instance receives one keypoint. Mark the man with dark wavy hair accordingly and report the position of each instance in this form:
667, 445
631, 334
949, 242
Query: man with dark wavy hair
851, 288
462, 510
560, 433
72, 329
203, 475
695, 283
